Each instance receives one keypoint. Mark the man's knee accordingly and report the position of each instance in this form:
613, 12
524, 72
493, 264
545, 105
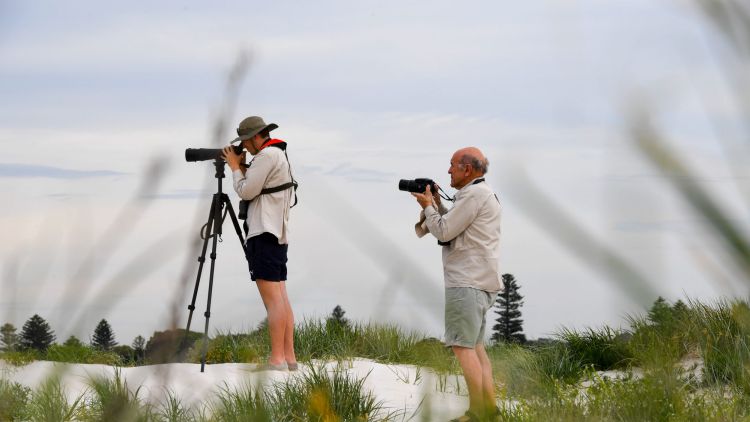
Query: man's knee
462, 350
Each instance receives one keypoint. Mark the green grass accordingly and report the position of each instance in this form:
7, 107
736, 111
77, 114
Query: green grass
81, 354
323, 340
555, 381
722, 333
14, 401
112, 400
323, 395
602, 349
655, 397
20, 357
63, 353
50, 403
245, 403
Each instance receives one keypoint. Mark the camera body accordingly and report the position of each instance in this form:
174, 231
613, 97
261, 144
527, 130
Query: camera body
416, 185
242, 209
419, 186
203, 154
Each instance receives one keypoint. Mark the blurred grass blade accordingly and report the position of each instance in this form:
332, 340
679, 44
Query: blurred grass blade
598, 254
219, 138
685, 182
732, 19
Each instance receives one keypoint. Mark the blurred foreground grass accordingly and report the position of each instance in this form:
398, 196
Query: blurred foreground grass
686, 362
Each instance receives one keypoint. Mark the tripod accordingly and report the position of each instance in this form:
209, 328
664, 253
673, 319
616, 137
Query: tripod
212, 231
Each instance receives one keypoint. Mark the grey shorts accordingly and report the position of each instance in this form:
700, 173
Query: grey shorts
465, 311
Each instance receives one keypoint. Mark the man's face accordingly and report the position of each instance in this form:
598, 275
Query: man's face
250, 145
459, 172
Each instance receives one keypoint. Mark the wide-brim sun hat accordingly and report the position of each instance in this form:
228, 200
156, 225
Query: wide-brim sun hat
251, 126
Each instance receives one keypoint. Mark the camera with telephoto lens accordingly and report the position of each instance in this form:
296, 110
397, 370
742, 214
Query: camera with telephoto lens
419, 186
416, 185
203, 154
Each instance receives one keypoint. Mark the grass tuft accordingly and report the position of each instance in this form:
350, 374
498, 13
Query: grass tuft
113, 401
603, 349
14, 399
323, 395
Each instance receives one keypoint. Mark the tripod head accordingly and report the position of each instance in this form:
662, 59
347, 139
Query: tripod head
219, 164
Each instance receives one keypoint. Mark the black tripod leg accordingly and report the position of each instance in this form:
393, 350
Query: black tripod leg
201, 260
233, 216
218, 204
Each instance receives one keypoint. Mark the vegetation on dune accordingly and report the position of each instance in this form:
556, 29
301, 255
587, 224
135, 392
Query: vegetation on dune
650, 374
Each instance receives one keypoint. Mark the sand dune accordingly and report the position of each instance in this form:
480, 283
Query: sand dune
409, 389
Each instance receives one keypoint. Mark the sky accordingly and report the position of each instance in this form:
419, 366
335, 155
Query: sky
102, 215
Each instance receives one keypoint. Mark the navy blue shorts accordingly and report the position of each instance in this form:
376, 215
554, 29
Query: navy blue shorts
266, 259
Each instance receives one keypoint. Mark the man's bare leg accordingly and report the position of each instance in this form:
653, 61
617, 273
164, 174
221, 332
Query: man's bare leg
488, 383
273, 300
472, 368
289, 327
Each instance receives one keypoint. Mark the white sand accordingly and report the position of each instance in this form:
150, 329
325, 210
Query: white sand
399, 387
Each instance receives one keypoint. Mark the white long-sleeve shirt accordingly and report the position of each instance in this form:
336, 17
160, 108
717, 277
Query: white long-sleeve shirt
270, 212
472, 227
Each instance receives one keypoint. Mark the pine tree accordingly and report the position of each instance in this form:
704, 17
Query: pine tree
73, 341
139, 348
104, 338
336, 322
680, 310
660, 312
8, 337
37, 334
338, 315
509, 327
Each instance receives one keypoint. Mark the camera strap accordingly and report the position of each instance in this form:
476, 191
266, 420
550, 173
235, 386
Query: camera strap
480, 180
445, 196
278, 143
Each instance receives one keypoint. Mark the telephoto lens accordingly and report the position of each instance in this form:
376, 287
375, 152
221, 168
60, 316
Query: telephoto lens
203, 154
416, 185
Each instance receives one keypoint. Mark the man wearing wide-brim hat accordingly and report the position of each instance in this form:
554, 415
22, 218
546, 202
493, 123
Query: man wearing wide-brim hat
269, 186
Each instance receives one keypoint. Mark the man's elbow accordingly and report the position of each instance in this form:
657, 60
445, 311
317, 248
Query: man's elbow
247, 195
441, 236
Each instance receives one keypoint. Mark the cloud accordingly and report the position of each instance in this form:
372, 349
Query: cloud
11, 170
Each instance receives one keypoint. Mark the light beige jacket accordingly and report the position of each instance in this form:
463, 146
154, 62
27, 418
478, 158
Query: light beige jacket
472, 227
270, 212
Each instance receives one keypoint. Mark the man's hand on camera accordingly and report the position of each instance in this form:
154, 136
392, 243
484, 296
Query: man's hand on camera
232, 159
425, 199
436, 195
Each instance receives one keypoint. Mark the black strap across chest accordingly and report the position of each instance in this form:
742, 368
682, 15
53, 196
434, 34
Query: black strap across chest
285, 186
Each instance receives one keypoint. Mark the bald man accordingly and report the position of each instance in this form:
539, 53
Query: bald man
470, 235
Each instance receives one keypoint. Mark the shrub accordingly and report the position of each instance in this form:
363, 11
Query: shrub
21, 357
241, 404
112, 401
322, 396
656, 346
603, 350
125, 353
235, 348
81, 353
49, 402
170, 346
14, 399
723, 335
556, 361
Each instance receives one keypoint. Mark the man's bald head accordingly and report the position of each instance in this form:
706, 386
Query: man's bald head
467, 164
474, 157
